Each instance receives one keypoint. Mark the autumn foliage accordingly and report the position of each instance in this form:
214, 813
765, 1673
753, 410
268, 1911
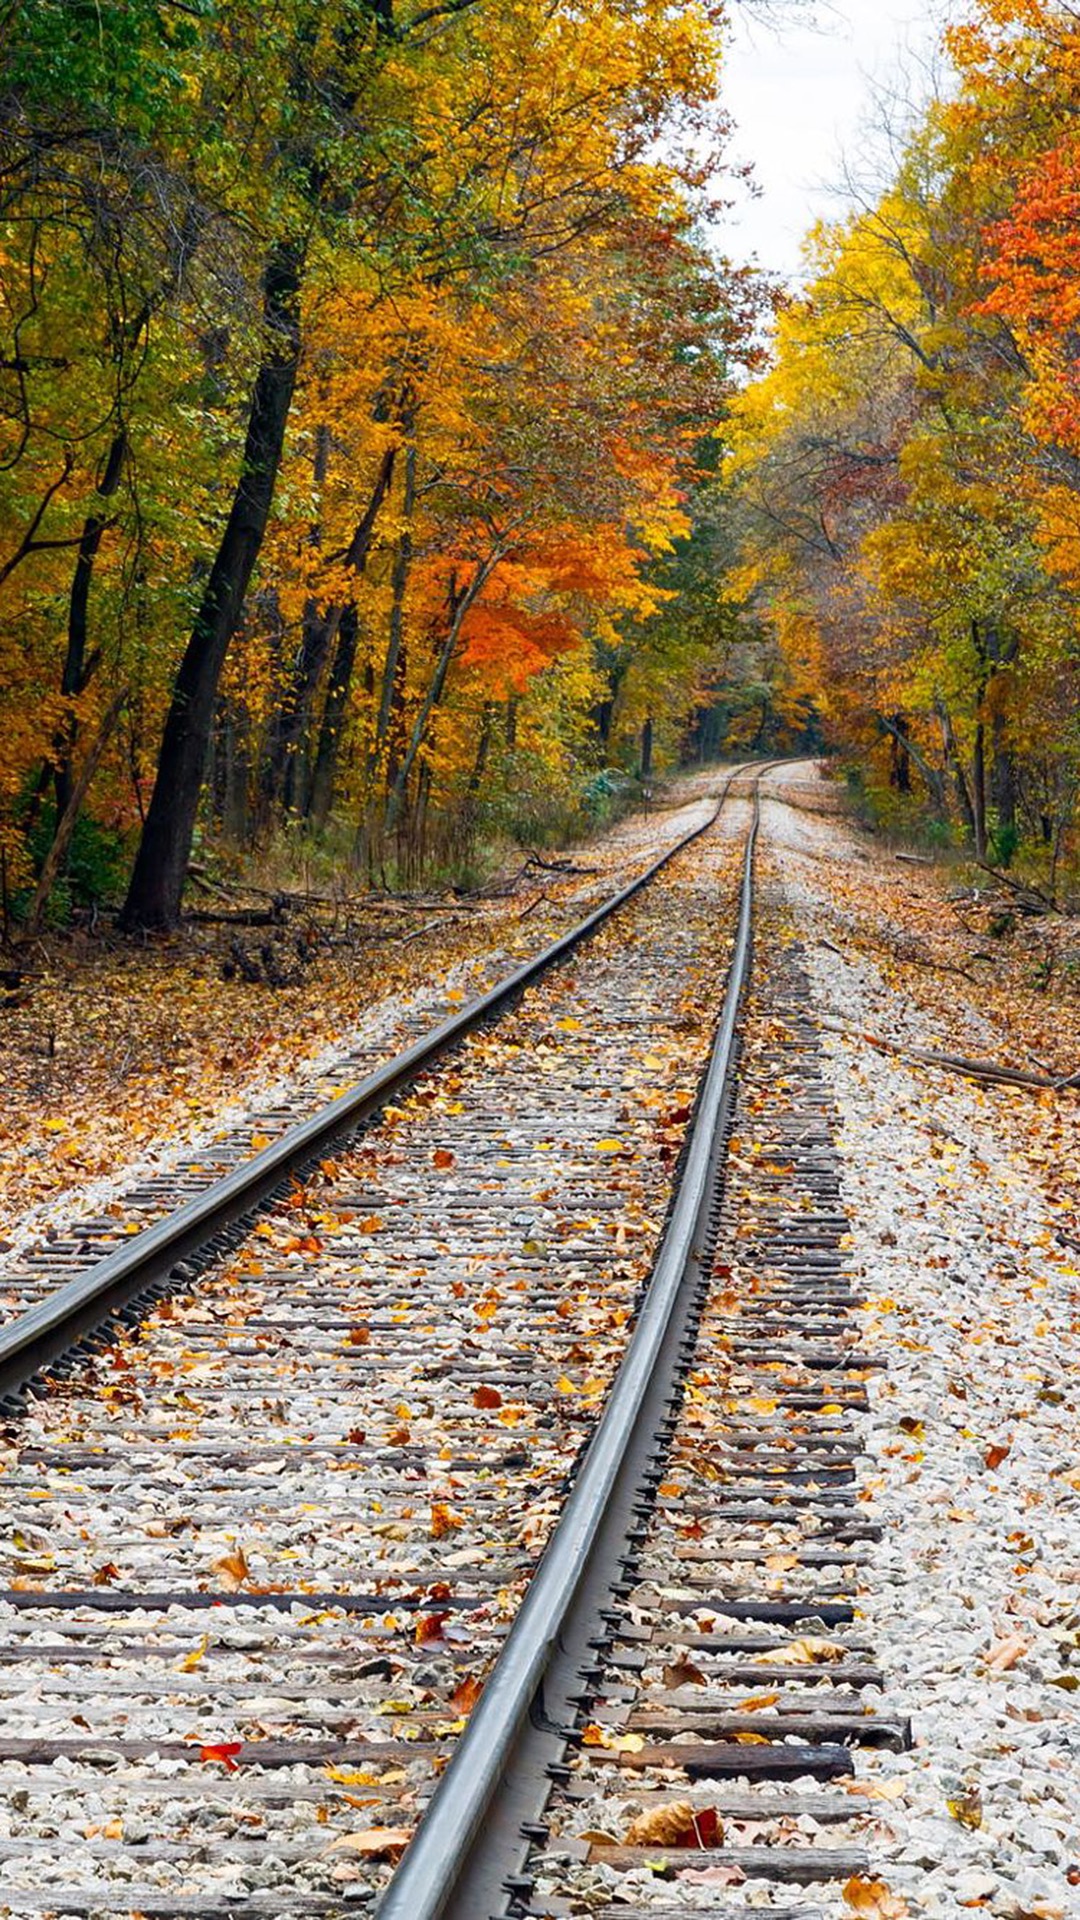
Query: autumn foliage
905, 477
356, 361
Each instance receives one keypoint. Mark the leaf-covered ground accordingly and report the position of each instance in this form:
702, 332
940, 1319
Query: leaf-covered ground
964, 1209
970, 974
115, 1056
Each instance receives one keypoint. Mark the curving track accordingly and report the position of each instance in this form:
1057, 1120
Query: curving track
264, 1546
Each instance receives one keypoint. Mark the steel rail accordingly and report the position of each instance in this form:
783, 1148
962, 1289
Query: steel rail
147, 1262
465, 1860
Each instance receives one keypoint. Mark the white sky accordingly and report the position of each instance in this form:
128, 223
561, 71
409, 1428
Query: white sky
802, 99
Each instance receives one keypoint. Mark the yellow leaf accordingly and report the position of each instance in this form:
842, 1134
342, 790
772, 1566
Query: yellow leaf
191, 1660
967, 1809
596, 1736
609, 1146
568, 1026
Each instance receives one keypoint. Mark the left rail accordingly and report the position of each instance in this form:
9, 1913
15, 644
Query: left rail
174, 1249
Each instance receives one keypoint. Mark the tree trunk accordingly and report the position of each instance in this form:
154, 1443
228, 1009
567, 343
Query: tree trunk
646, 750
321, 629
387, 741
459, 607
952, 762
157, 882
80, 665
899, 754
935, 781
978, 791
66, 824
319, 797
1003, 776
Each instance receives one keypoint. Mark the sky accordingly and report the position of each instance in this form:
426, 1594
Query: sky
802, 99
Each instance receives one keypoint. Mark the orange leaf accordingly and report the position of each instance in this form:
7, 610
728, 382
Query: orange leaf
443, 1519
442, 1157
234, 1569
226, 1752
429, 1628
466, 1694
874, 1899
487, 1397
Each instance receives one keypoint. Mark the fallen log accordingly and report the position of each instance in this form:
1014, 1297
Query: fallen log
990, 1072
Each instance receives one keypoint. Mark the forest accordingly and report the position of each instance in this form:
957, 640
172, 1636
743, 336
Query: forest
904, 479
392, 462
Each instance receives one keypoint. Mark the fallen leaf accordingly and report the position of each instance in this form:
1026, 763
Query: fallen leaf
671, 1825
874, 1899
487, 1397
442, 1157
718, 1876
609, 1146
683, 1673
225, 1751
466, 1694
191, 1660
994, 1456
429, 1629
806, 1652
443, 1519
595, 1736
1004, 1654
372, 1841
967, 1809
234, 1569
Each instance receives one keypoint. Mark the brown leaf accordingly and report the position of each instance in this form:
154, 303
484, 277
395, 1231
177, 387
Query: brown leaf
374, 1842
359, 1336
683, 1673
994, 1456
671, 1825
442, 1157
487, 1397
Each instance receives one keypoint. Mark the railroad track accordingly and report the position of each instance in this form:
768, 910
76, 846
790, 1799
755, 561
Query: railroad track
671, 1731
267, 1535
